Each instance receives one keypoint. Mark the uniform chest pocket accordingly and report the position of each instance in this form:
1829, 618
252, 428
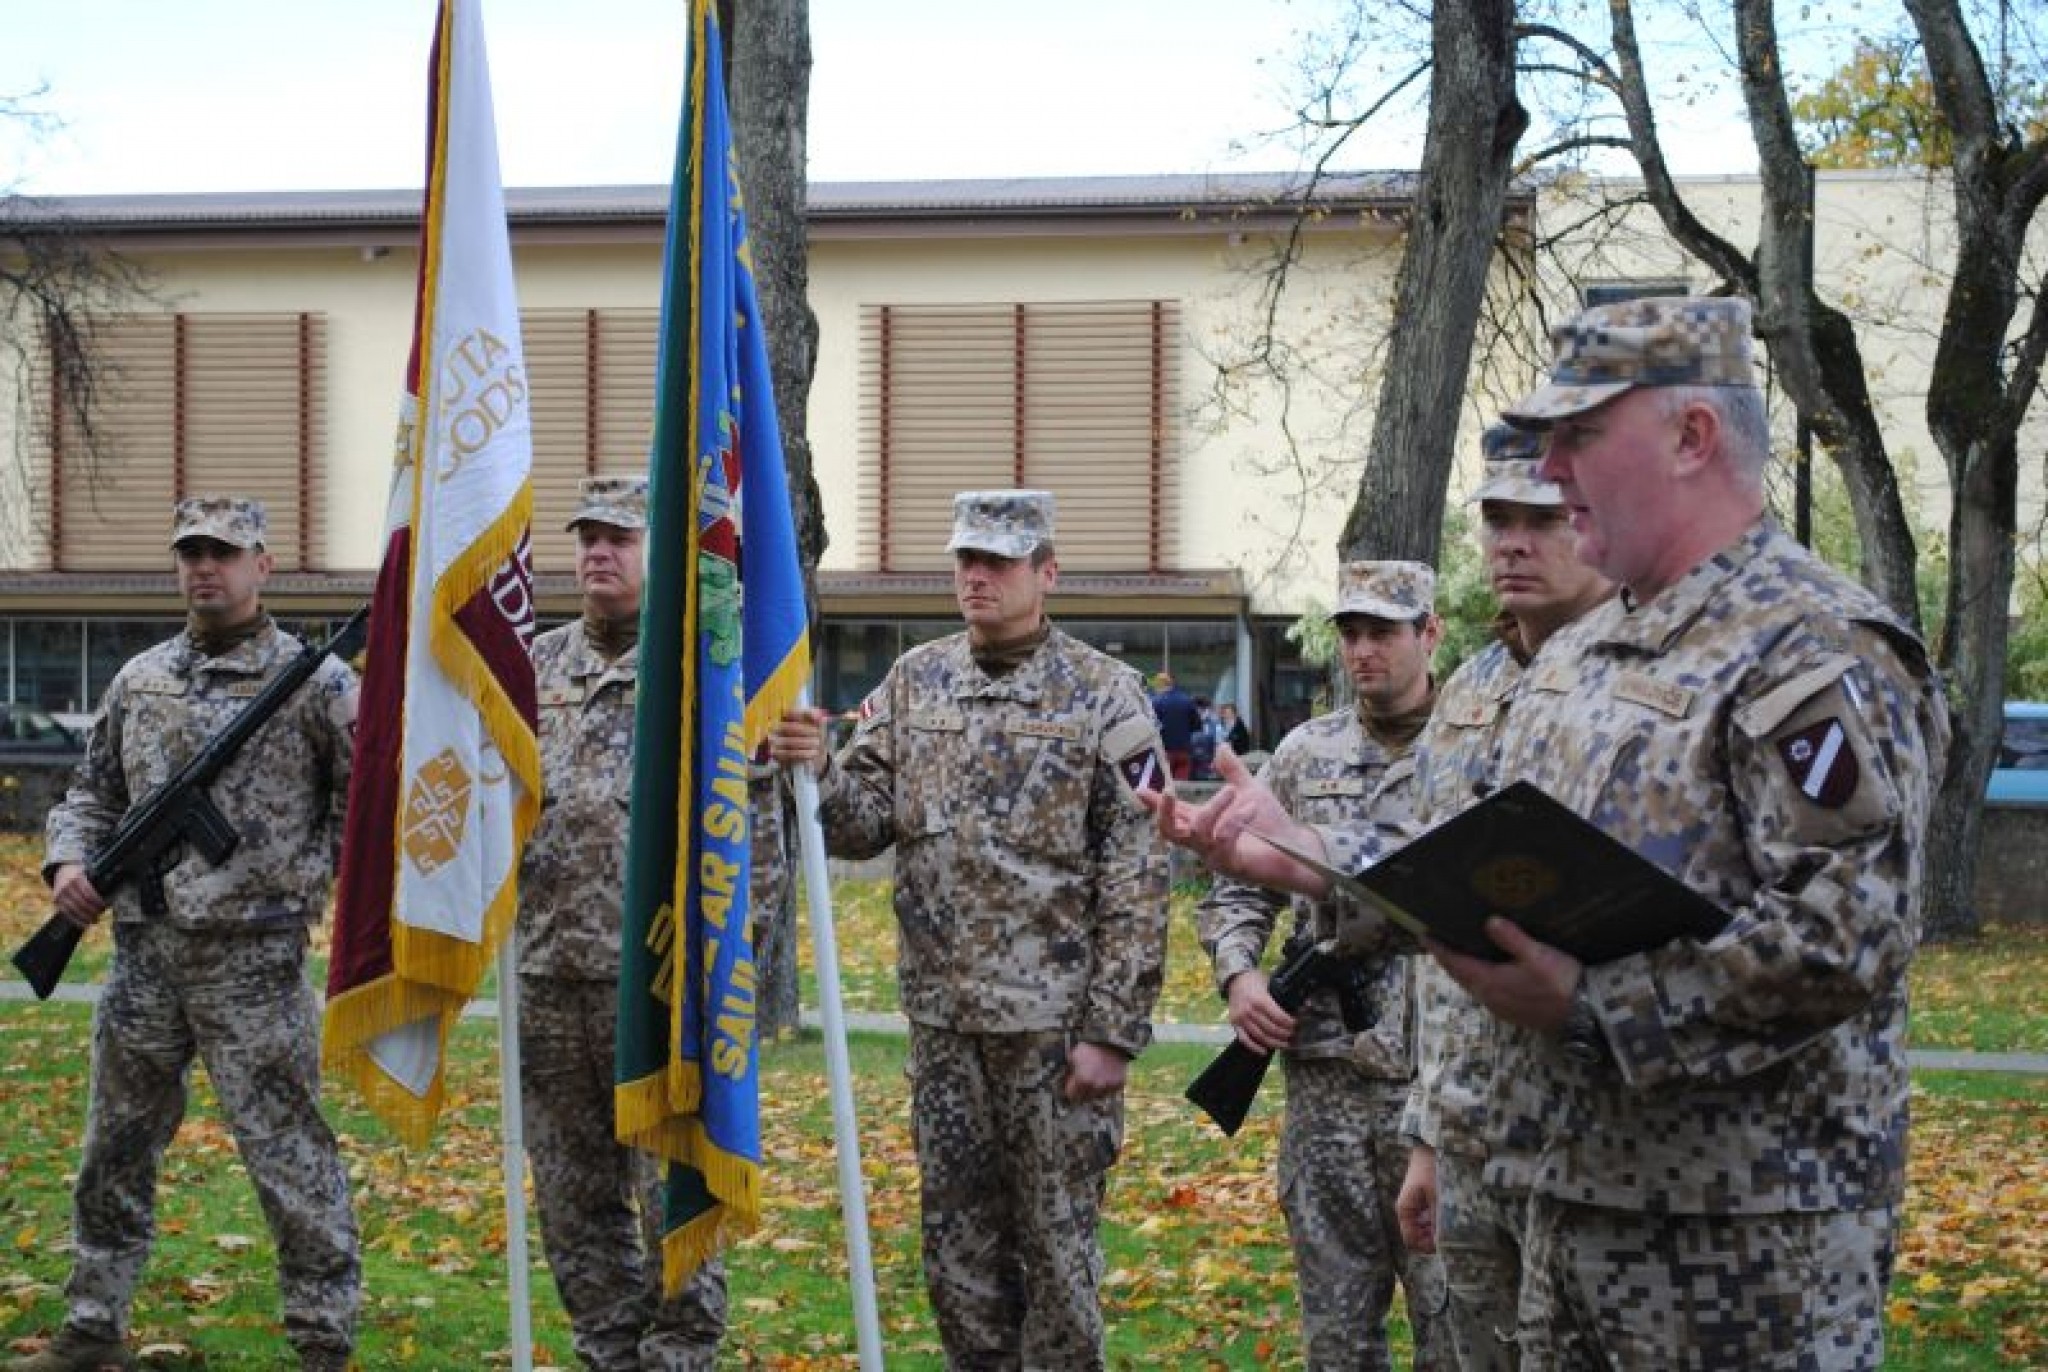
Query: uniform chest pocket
1331, 800
1459, 760
935, 779
1048, 772
557, 736
1635, 758
162, 726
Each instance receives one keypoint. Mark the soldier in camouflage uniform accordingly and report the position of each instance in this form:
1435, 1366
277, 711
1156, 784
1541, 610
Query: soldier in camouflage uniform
1342, 1158
1446, 1206
1726, 1117
772, 918
1031, 903
210, 961
600, 1201
1719, 1127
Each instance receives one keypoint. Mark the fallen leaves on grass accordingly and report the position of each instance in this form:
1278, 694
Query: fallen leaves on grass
1971, 1248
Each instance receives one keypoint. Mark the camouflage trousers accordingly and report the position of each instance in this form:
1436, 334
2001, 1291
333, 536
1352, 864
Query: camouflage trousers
239, 1002
1479, 1238
600, 1202
1341, 1163
1800, 1292
1012, 1181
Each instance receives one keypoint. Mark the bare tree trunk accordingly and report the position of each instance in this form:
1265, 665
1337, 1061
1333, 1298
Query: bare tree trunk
770, 83
1812, 343
1977, 396
1474, 124
1979, 389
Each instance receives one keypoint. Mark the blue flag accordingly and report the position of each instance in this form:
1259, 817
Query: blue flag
724, 651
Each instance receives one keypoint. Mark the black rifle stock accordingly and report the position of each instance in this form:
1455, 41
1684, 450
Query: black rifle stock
1227, 1086
178, 811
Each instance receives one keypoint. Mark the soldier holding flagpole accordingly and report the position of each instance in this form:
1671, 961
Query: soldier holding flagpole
600, 1201
1031, 899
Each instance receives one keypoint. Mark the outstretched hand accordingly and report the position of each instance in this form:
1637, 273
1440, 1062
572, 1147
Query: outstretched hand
1226, 830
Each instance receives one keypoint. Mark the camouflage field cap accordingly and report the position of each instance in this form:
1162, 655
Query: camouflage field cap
1006, 523
1400, 591
620, 501
231, 519
1511, 457
1661, 341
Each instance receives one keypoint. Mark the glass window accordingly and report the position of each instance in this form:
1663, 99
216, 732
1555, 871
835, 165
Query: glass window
916, 631
2025, 744
46, 664
1203, 658
1618, 292
1143, 646
109, 643
852, 659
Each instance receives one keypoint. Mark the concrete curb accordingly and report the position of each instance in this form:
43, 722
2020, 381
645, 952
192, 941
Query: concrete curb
870, 1022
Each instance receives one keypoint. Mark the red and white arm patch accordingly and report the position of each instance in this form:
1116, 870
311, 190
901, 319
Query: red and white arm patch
1822, 764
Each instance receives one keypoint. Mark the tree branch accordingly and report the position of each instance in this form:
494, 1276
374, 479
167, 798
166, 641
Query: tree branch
1962, 92
1564, 146
1723, 257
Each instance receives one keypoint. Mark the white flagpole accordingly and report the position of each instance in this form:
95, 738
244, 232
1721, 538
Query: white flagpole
838, 1067
512, 1125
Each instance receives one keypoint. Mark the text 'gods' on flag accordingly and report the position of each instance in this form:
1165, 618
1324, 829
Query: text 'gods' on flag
723, 652
446, 785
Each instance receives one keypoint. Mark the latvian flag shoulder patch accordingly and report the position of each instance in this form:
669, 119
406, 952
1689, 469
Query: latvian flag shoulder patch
1822, 764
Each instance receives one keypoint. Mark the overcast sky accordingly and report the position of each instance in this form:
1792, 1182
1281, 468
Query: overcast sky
222, 95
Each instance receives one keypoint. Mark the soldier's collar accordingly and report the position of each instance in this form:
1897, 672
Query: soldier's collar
210, 645
1653, 625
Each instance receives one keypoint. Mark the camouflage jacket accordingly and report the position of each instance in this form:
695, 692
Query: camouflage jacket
1326, 771
1769, 732
285, 792
1458, 1043
1030, 884
572, 876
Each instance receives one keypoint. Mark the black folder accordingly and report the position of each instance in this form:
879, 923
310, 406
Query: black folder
1522, 855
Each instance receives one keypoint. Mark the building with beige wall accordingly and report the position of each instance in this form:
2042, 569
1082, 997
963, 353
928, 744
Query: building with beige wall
971, 334
1082, 335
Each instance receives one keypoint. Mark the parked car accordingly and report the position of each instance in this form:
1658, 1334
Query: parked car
2021, 773
31, 729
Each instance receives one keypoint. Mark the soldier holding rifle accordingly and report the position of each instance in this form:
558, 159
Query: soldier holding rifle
1341, 1154
1719, 1125
209, 961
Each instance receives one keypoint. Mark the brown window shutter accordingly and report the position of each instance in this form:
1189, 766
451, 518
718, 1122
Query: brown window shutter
249, 428
110, 510
217, 404
558, 346
591, 378
1078, 398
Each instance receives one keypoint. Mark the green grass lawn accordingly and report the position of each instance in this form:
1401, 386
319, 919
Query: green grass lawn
1199, 1275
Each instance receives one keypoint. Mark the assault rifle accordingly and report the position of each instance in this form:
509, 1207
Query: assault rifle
148, 842
1227, 1086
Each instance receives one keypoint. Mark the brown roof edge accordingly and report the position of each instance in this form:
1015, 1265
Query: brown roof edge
1249, 196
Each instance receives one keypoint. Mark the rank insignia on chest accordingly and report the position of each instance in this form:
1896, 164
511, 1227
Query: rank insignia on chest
1822, 764
1323, 788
